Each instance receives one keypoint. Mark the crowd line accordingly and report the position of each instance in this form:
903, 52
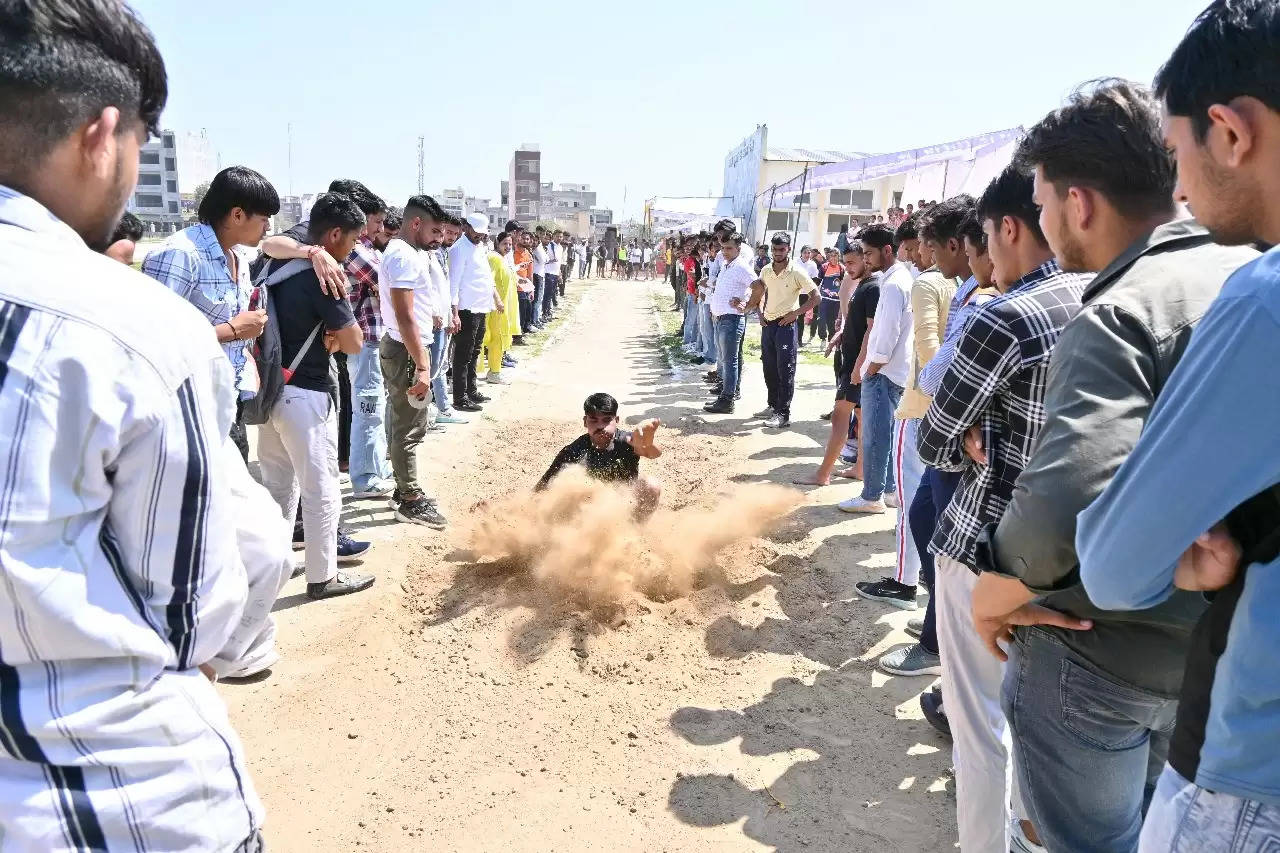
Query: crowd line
1058, 385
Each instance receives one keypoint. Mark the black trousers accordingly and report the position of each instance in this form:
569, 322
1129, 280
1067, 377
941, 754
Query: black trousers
344, 408
778, 346
239, 435
466, 349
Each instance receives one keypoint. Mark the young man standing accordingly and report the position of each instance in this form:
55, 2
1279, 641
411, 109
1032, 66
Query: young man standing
783, 292
203, 265
884, 372
416, 310
550, 276
983, 422
734, 279
298, 445
474, 294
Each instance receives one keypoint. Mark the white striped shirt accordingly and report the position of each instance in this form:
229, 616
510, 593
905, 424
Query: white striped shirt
118, 568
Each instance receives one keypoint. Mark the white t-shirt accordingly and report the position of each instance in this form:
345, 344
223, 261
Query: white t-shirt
733, 282
648, 254
811, 268
539, 259
405, 268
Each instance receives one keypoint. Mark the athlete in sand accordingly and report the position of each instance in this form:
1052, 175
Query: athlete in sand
610, 453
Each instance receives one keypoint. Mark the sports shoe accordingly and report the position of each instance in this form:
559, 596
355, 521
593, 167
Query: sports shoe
827, 416
719, 406
778, 422
1018, 841
497, 379
766, 412
452, 417
342, 584
508, 360
420, 511
467, 406
891, 500
716, 390
517, 340
848, 458
915, 626
479, 398
931, 706
889, 591
911, 660
349, 550
299, 539
857, 504
435, 428
375, 489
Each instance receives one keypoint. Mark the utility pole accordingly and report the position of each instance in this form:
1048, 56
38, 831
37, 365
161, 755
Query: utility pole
422, 177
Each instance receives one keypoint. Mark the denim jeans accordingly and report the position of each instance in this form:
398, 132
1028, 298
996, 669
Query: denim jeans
778, 346
729, 331
1185, 818
690, 321
368, 433
550, 294
932, 497
1087, 747
539, 293
880, 398
707, 329
439, 352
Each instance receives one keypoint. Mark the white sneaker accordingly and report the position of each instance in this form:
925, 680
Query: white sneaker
497, 379
891, 500
857, 504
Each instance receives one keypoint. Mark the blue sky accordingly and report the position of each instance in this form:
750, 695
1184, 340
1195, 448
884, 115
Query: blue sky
642, 99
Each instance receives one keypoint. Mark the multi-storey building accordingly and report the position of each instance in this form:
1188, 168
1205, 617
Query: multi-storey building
156, 200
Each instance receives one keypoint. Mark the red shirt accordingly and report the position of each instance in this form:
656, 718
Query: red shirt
690, 275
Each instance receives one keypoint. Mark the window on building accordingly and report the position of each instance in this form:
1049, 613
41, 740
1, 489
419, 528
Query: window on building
148, 200
173, 207
841, 198
150, 179
532, 167
897, 199
836, 220
149, 158
862, 199
171, 186
168, 140
801, 199
779, 220
170, 164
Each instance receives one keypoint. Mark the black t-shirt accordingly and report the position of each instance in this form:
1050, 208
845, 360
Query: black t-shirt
619, 461
862, 307
300, 233
299, 305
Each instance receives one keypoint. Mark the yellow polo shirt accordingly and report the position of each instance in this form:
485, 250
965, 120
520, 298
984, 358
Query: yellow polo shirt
782, 292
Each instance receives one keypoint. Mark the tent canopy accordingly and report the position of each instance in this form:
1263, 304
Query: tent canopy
961, 153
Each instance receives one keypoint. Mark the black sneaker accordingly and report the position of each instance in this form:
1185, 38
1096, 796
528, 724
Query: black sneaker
778, 422
719, 406
420, 511
477, 397
931, 705
716, 390
349, 550
299, 540
468, 406
711, 376
342, 584
889, 591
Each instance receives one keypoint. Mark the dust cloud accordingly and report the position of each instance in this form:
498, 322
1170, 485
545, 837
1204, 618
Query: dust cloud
580, 537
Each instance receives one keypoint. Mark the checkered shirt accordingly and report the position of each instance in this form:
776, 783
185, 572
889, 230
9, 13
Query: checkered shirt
362, 274
996, 381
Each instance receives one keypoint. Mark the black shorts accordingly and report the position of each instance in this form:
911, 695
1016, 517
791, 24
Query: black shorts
849, 392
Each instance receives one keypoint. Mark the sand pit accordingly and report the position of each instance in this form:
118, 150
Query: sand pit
580, 537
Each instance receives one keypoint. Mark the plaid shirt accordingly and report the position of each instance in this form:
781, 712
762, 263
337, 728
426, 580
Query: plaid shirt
362, 272
192, 265
996, 381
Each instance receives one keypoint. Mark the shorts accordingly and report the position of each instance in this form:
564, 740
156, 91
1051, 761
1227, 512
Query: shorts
849, 392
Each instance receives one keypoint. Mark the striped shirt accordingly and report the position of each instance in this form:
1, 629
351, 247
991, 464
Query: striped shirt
191, 263
997, 382
362, 275
118, 564
963, 304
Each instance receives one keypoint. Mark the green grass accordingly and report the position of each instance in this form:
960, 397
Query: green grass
535, 344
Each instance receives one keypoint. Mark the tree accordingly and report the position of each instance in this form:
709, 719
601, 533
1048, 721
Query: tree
197, 195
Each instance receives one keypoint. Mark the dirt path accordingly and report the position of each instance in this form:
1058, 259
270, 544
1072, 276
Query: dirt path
455, 708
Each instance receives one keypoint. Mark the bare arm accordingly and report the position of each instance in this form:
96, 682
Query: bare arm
333, 281
757, 294
350, 339
402, 305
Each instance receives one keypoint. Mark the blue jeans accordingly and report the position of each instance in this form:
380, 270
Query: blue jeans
690, 321
539, 292
368, 432
778, 345
730, 329
1087, 748
880, 398
550, 293
439, 353
932, 497
1185, 818
707, 329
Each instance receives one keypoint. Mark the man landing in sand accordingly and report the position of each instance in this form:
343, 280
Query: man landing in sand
611, 454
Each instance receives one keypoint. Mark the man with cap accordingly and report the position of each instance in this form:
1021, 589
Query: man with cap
474, 294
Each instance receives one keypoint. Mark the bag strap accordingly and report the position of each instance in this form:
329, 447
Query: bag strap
306, 345
284, 271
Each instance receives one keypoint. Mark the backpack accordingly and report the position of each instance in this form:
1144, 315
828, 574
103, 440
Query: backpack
267, 348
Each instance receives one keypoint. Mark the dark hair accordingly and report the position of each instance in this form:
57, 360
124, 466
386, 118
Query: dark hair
369, 202
782, 238
971, 227
392, 222
1107, 137
64, 62
424, 205
600, 404
447, 218
944, 222
237, 186
853, 247
128, 228
908, 229
736, 238
877, 236
1231, 50
333, 210
1010, 194
724, 225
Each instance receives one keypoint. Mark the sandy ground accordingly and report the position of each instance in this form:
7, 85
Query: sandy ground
455, 707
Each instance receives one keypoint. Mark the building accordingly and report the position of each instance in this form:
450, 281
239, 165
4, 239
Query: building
291, 213
524, 198
453, 201
199, 161
155, 199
